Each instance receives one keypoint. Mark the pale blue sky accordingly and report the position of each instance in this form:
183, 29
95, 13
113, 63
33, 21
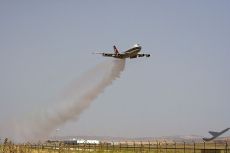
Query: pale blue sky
182, 89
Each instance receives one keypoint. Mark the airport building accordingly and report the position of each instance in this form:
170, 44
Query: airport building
81, 141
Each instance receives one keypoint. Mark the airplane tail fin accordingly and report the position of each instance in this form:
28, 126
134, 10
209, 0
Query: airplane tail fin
214, 133
115, 50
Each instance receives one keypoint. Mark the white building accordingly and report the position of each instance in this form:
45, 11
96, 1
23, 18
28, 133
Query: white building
82, 141
92, 141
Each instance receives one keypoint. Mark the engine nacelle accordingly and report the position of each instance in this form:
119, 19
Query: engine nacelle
141, 55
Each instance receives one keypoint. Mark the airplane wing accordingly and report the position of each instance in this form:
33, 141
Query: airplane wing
122, 55
118, 55
214, 133
105, 54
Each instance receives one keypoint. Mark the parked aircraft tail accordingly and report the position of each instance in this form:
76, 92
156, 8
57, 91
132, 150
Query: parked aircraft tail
214, 133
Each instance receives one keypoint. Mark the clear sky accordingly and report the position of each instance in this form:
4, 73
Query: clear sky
184, 88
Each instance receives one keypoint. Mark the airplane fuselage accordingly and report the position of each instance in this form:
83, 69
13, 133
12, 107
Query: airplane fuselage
131, 53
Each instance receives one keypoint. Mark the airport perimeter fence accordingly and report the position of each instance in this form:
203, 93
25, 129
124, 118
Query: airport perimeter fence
122, 147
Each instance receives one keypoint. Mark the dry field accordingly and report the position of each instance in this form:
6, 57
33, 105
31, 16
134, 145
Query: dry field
120, 147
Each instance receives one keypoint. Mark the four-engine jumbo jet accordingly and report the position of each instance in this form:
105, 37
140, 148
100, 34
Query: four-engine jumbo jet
130, 53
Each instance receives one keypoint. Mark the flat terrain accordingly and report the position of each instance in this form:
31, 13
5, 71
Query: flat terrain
123, 147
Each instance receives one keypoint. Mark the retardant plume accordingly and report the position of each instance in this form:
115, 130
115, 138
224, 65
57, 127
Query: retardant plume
77, 99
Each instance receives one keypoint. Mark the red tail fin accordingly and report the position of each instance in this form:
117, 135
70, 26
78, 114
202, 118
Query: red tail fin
115, 50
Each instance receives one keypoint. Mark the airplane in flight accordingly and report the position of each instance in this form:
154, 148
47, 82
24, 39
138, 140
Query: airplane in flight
215, 134
133, 52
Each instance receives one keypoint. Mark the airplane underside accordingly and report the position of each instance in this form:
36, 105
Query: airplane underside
123, 56
130, 53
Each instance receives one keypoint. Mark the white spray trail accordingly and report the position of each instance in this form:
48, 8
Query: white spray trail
78, 99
